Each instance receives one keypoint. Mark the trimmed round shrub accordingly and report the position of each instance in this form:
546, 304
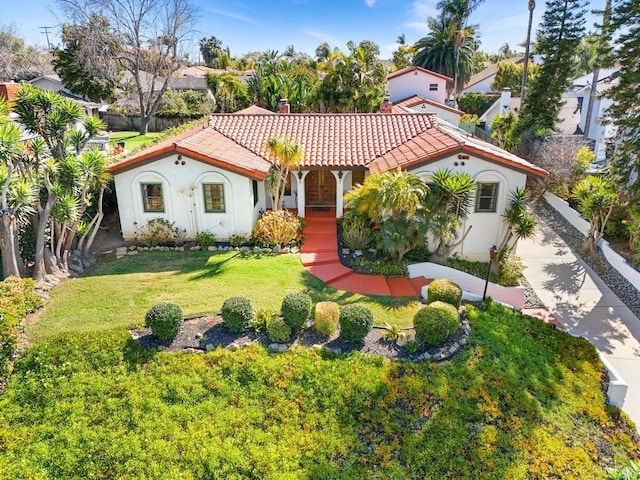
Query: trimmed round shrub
295, 310
278, 330
237, 313
435, 323
164, 320
326, 318
355, 322
443, 290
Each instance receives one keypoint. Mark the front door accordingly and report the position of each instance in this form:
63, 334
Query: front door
320, 188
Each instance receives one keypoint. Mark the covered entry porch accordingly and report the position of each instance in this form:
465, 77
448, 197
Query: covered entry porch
325, 188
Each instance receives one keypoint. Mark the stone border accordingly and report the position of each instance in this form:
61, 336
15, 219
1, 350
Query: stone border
135, 249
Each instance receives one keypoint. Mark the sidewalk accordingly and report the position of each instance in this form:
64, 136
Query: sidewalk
585, 306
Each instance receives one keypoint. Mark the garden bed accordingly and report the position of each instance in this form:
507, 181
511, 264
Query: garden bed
208, 332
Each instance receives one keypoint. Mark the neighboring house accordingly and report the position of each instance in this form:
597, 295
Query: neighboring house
213, 178
416, 104
503, 105
481, 81
8, 92
416, 81
574, 113
201, 71
52, 83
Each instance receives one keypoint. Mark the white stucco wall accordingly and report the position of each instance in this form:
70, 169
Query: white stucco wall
184, 199
447, 115
487, 228
405, 86
483, 86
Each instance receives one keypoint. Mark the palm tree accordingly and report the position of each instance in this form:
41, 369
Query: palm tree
447, 50
447, 208
287, 155
388, 196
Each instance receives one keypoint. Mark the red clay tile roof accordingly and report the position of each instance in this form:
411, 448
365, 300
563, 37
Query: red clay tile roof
416, 100
378, 141
8, 91
255, 110
404, 71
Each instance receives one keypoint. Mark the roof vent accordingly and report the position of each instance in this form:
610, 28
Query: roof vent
284, 106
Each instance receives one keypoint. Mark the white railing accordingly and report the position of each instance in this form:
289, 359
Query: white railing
614, 258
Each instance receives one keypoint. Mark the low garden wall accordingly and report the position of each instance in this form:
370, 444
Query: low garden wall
614, 258
513, 296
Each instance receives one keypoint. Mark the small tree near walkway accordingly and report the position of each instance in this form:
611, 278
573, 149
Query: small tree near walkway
597, 196
288, 155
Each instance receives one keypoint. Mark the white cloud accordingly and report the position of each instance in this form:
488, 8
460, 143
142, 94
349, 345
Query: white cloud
369, 3
234, 15
325, 37
418, 12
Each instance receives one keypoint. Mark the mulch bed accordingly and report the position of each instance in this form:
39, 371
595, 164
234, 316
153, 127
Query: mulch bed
208, 332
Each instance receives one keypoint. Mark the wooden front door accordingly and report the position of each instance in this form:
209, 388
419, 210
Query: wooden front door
320, 188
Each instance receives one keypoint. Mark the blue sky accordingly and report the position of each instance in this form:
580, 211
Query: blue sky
258, 25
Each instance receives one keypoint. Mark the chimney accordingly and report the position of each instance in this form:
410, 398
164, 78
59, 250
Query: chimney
284, 106
505, 100
386, 106
8, 92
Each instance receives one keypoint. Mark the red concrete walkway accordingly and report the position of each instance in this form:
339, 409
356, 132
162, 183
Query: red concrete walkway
319, 255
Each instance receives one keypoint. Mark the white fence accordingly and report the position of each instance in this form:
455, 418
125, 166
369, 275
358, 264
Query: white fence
513, 296
614, 258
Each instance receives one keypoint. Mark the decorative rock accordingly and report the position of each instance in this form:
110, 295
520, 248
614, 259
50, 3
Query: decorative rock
233, 346
181, 249
277, 347
198, 336
132, 252
463, 340
266, 250
316, 346
286, 250
132, 247
236, 249
257, 250
244, 249
357, 253
211, 248
438, 356
209, 347
145, 249
162, 348
121, 251
295, 249
276, 249
346, 251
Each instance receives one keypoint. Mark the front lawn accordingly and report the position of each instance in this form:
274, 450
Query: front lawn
117, 293
132, 140
521, 401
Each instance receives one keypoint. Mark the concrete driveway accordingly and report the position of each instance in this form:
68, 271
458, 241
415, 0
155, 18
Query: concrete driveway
585, 306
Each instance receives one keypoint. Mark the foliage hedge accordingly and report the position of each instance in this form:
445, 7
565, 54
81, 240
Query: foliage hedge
296, 309
443, 290
164, 320
523, 401
435, 323
278, 330
237, 313
17, 300
326, 317
355, 322
278, 228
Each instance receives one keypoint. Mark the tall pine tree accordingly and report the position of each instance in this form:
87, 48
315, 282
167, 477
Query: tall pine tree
559, 37
625, 111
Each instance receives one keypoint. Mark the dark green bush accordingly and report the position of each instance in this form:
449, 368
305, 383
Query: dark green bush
355, 322
443, 290
325, 320
237, 313
278, 330
435, 323
164, 320
296, 309
17, 300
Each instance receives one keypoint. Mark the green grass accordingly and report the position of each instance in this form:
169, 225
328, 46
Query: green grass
521, 401
117, 293
132, 140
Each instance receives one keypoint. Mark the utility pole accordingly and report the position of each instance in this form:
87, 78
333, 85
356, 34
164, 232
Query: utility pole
46, 31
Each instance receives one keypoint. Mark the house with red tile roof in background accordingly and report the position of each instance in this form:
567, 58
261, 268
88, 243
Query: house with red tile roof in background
213, 178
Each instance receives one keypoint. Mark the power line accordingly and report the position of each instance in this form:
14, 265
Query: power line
46, 31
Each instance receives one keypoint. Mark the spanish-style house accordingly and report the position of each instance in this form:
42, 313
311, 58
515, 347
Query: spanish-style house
213, 178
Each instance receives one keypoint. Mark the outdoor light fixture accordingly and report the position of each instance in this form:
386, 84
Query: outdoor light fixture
340, 174
300, 174
493, 253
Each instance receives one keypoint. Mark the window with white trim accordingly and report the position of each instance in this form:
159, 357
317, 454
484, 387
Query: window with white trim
486, 197
152, 200
213, 197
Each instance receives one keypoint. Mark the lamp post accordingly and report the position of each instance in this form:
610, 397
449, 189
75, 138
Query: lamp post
493, 253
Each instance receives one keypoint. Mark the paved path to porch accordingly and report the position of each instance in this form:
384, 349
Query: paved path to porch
581, 302
319, 255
